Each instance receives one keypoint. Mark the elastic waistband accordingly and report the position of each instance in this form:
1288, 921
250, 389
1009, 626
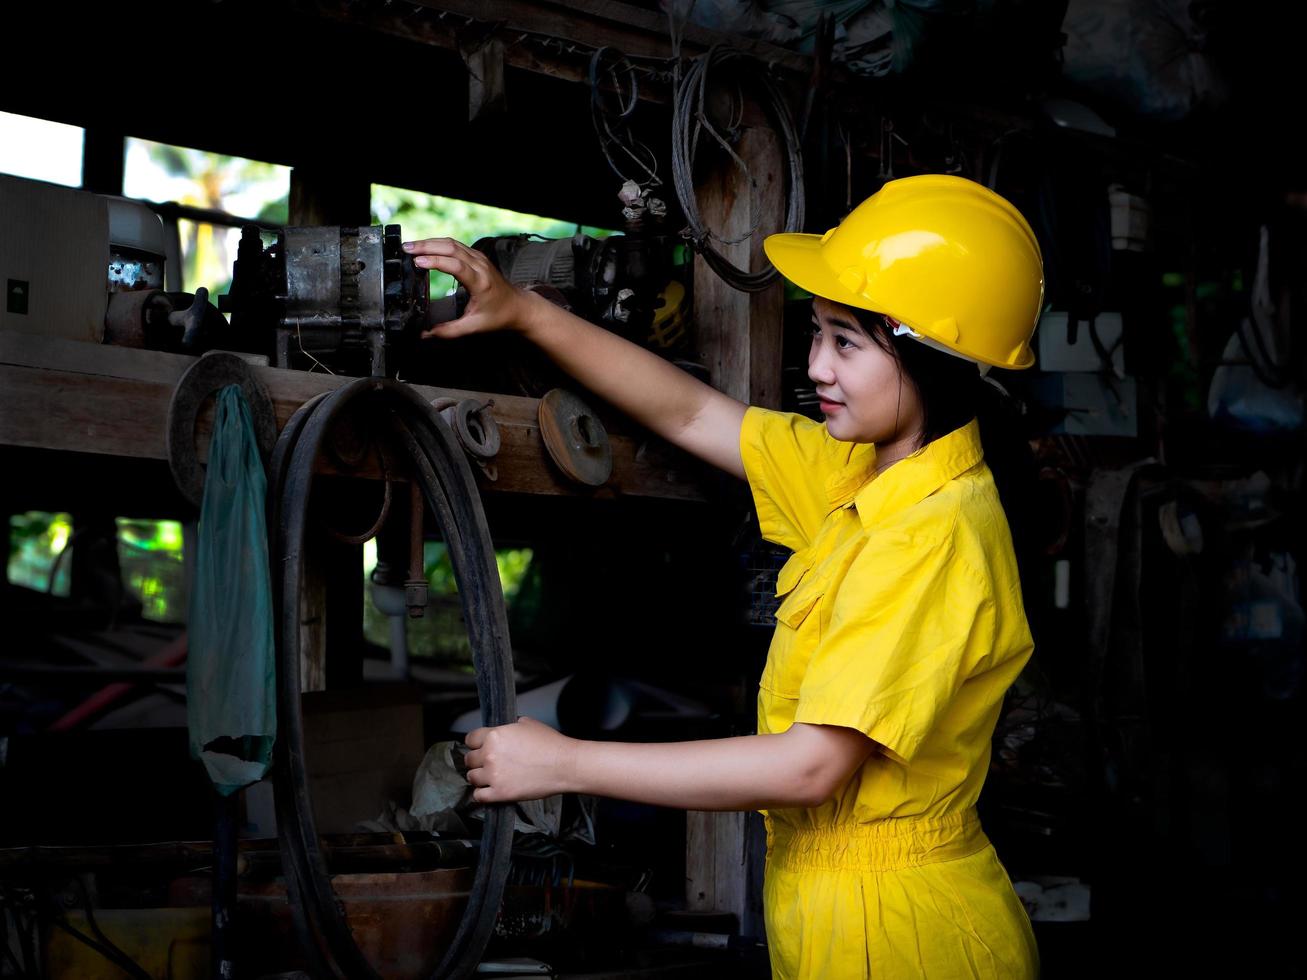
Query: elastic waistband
883, 845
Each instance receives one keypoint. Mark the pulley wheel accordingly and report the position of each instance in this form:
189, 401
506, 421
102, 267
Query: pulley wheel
211, 373
577, 441
473, 423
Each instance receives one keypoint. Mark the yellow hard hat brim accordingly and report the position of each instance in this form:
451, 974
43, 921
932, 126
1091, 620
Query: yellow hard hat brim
798, 258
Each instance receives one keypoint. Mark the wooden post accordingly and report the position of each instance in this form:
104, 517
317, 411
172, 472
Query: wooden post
739, 339
103, 159
329, 196
331, 610
739, 334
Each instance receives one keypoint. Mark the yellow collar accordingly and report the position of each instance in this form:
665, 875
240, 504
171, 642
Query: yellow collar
910, 480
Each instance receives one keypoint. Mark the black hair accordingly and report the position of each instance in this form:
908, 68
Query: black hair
948, 387
952, 392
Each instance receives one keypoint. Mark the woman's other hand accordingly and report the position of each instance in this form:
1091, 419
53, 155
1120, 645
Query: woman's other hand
493, 303
526, 760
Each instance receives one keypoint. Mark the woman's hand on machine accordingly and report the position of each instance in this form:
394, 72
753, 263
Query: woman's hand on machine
526, 760
493, 303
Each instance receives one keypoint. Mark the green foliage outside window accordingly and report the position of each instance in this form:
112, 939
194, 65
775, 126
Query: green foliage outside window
440, 636
149, 558
36, 539
250, 189
422, 215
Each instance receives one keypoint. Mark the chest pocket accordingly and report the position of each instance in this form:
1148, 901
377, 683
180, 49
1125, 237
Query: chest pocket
798, 628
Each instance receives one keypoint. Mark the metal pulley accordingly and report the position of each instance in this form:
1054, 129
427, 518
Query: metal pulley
577, 441
157, 320
206, 377
475, 426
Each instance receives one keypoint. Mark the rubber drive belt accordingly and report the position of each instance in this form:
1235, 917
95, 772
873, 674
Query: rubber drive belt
451, 494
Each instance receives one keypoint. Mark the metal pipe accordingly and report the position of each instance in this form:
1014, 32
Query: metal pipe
225, 851
91, 674
170, 656
344, 853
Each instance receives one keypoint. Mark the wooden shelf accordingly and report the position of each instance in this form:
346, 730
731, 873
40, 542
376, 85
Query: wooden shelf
77, 397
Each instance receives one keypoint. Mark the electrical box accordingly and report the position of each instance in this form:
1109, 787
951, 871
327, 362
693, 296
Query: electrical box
1084, 345
1089, 404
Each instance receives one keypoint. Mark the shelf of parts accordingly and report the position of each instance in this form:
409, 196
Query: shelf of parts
80, 397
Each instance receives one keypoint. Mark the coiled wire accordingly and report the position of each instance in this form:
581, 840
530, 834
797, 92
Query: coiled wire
689, 121
612, 122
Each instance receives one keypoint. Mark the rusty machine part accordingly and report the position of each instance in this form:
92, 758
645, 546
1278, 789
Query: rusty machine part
617, 282
330, 296
373, 529
577, 441
206, 377
157, 320
613, 281
416, 587
439, 465
476, 428
473, 423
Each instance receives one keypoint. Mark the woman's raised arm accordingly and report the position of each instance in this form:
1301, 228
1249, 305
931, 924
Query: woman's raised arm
681, 409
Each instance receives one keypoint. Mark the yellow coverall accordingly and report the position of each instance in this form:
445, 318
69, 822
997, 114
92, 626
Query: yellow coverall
901, 618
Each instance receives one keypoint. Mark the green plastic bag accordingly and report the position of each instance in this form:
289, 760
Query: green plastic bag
231, 681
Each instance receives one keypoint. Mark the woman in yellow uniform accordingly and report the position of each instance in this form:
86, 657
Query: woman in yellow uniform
901, 623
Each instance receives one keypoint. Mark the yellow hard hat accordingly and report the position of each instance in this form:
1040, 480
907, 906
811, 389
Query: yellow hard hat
943, 255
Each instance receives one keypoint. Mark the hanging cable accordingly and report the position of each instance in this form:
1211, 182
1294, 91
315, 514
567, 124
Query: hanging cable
690, 119
1257, 328
612, 125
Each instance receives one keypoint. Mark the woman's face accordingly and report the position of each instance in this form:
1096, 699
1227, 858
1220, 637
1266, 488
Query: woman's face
864, 394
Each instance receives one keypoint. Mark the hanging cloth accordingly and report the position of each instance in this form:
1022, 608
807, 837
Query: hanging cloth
230, 672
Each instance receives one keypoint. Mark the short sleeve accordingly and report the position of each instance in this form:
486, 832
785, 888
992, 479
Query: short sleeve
905, 627
787, 460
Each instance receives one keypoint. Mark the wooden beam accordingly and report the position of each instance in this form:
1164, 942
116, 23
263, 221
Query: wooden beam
633, 30
113, 401
550, 37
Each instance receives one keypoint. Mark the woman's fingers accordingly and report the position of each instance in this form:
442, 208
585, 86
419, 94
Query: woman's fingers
492, 302
518, 761
481, 790
476, 774
461, 267
434, 246
448, 255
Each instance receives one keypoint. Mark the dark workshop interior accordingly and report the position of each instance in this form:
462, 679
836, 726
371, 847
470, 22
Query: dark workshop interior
458, 532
